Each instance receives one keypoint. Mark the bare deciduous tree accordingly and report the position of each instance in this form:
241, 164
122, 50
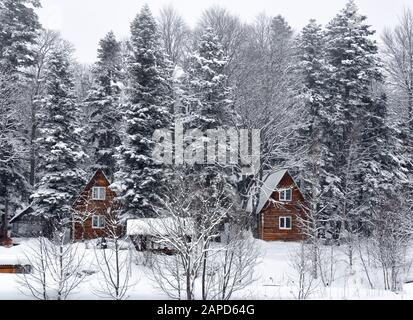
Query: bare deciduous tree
191, 229
36, 282
175, 34
302, 282
234, 263
206, 216
229, 30
392, 230
114, 260
56, 268
64, 262
398, 57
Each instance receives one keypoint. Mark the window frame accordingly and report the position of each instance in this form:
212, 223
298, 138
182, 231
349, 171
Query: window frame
98, 192
284, 192
285, 218
101, 222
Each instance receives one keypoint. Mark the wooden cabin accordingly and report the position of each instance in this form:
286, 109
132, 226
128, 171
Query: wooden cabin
95, 209
278, 206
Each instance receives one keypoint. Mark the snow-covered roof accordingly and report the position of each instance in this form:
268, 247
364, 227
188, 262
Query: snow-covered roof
160, 226
20, 213
13, 260
270, 182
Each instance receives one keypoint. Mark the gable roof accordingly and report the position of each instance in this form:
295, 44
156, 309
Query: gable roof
269, 185
91, 183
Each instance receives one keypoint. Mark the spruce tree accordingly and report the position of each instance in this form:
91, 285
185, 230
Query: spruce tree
60, 147
19, 28
211, 108
210, 94
351, 57
310, 134
104, 104
384, 169
140, 181
14, 188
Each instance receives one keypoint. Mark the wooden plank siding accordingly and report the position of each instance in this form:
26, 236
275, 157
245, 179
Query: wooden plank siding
269, 229
8, 269
15, 269
85, 208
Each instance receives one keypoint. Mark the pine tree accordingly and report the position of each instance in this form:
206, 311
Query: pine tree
140, 180
19, 28
59, 144
352, 62
104, 104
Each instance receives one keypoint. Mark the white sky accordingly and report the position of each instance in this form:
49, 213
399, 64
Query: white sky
85, 22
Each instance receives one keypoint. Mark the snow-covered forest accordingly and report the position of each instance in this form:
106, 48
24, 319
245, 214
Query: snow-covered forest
329, 102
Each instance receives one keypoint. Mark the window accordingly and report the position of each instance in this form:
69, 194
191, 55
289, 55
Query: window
98, 193
285, 223
98, 222
286, 195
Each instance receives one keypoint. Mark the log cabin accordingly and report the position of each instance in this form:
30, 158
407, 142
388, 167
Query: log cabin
278, 207
94, 210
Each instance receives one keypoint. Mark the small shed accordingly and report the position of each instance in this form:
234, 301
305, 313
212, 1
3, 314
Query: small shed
146, 233
25, 225
278, 207
14, 264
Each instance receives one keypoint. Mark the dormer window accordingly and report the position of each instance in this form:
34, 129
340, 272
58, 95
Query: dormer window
98, 193
286, 195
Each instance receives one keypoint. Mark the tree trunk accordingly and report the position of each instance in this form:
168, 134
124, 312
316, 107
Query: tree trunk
5, 217
315, 259
204, 271
410, 108
188, 283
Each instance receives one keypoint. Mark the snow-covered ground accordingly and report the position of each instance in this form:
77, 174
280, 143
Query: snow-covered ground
275, 278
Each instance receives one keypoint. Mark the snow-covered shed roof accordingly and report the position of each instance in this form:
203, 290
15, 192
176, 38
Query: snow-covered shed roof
270, 181
160, 226
13, 260
21, 213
